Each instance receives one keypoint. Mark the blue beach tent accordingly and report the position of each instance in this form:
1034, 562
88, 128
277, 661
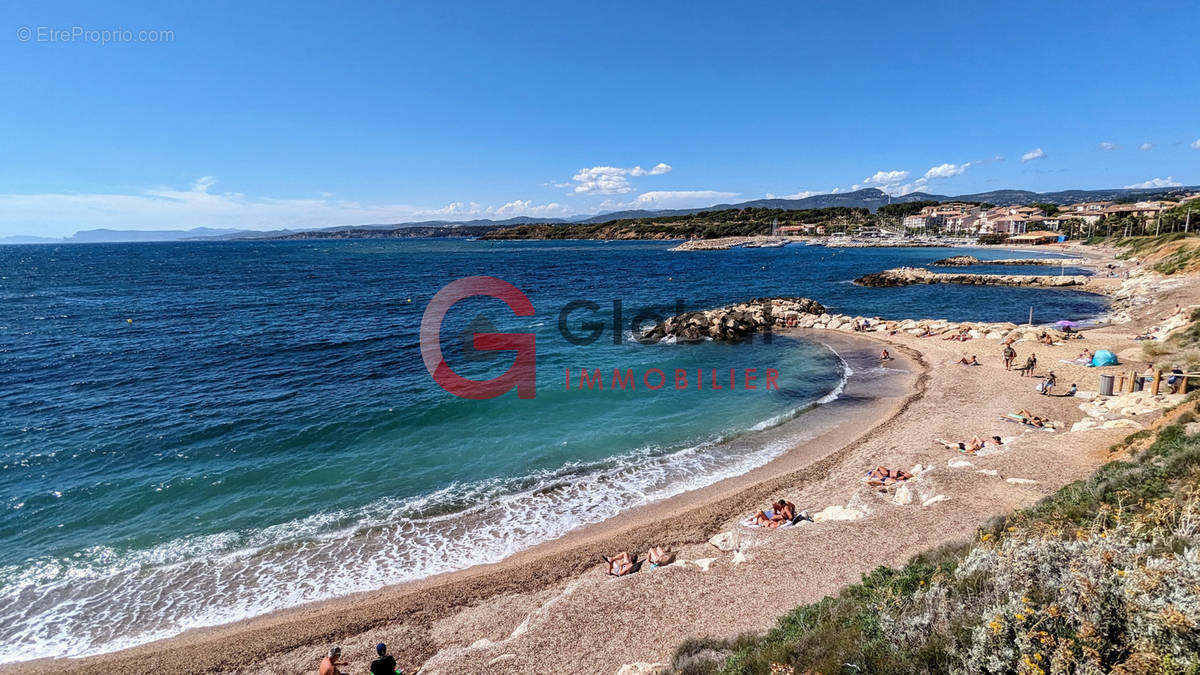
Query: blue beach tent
1103, 357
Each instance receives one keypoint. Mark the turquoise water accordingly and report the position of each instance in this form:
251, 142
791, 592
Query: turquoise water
194, 433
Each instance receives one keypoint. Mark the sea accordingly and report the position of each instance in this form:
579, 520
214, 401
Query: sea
194, 433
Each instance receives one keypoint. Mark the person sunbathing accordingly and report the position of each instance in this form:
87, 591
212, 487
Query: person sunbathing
978, 443
621, 564
1046, 339
658, 556
881, 475
927, 333
1030, 419
969, 362
780, 512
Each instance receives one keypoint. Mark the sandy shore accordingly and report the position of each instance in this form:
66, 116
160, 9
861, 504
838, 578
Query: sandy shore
553, 610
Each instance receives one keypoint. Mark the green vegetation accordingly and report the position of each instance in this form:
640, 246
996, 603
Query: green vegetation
1046, 207
702, 225
1101, 577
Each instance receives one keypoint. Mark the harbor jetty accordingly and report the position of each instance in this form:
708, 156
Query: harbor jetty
968, 260
908, 276
726, 243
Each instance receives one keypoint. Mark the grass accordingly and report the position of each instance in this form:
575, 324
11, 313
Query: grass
1099, 577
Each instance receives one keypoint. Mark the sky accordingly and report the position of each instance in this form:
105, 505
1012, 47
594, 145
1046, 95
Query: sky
309, 114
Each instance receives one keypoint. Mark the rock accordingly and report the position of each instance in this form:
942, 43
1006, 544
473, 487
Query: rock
740, 557
958, 464
837, 513
1020, 481
906, 276
934, 500
643, 668
725, 541
1192, 428
1121, 424
904, 495
989, 472
704, 563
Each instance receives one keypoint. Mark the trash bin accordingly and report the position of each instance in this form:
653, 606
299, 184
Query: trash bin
1139, 382
1106, 385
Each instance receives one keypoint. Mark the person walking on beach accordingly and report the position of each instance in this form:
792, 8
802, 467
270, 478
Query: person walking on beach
1010, 355
1030, 364
329, 664
385, 664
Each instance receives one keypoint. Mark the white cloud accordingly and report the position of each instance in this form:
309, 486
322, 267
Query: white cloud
1107, 145
892, 182
886, 178
801, 194
56, 214
1144, 147
610, 180
1155, 183
658, 170
1036, 153
671, 199
1196, 144
946, 170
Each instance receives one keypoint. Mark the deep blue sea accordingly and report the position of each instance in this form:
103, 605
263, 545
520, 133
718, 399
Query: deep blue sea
198, 432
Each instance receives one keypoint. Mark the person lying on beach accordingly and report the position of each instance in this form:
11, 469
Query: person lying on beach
1030, 419
970, 362
329, 664
928, 333
961, 336
881, 475
621, 564
1146, 335
885, 356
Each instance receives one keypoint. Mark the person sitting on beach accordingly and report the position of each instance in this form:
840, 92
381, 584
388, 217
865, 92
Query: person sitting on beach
385, 664
1030, 419
780, 512
620, 564
329, 664
1072, 391
658, 556
885, 356
1085, 356
1010, 355
1046, 339
969, 362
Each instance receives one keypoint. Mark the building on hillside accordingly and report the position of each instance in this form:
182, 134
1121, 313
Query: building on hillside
800, 230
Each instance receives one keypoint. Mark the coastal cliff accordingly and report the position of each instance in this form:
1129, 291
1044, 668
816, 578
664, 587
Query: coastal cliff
907, 276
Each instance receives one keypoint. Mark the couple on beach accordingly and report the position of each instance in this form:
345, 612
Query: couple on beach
780, 513
384, 665
623, 563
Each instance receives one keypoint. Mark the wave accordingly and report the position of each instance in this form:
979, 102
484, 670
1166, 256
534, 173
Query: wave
104, 599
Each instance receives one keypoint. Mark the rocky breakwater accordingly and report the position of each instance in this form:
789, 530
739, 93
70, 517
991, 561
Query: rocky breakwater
738, 321
735, 322
968, 260
726, 243
907, 276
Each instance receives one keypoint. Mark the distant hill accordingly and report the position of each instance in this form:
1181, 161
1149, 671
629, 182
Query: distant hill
118, 236
867, 198
21, 239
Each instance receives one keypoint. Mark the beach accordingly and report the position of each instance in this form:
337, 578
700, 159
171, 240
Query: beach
552, 608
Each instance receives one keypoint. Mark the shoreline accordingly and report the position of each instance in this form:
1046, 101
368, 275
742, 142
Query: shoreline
690, 517
411, 612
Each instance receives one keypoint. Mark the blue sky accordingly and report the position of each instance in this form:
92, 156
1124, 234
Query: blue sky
316, 114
